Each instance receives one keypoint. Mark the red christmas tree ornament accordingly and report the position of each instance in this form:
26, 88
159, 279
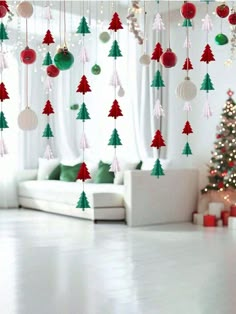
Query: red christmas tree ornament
168, 59
28, 55
115, 23
232, 18
83, 173
158, 140
3, 92
187, 128
5, 5
187, 65
207, 55
48, 39
115, 110
188, 10
157, 52
48, 108
83, 85
3, 11
231, 163
222, 10
52, 70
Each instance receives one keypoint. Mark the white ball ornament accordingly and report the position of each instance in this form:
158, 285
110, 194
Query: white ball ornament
121, 92
24, 9
186, 90
27, 120
145, 59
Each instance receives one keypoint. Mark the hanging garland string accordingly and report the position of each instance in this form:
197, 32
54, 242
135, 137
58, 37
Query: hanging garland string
158, 82
83, 115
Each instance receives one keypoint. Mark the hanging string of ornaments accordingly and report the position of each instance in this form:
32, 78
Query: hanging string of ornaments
83, 114
187, 90
207, 57
115, 111
222, 12
3, 92
51, 71
27, 119
157, 82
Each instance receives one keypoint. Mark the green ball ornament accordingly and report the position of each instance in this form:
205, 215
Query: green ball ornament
221, 39
63, 59
104, 37
96, 69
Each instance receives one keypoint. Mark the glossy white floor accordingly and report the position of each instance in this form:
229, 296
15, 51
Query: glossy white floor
56, 265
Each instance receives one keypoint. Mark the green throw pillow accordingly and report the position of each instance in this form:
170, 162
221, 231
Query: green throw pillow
55, 174
103, 175
139, 165
69, 173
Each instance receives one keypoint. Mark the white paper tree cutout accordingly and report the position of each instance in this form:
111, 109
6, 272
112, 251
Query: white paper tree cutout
3, 149
83, 57
115, 167
48, 154
158, 23
158, 110
207, 23
207, 112
83, 141
187, 106
115, 80
3, 62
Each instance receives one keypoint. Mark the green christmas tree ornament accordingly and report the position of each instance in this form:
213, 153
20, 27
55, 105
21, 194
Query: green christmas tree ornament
83, 201
115, 139
96, 69
221, 39
83, 113
63, 59
158, 81
48, 59
83, 27
187, 150
207, 84
3, 122
157, 169
3, 33
187, 23
47, 131
115, 50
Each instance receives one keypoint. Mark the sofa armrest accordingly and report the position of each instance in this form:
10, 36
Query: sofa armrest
27, 174
151, 200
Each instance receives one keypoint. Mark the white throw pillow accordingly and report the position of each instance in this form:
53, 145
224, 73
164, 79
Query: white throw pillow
45, 167
124, 165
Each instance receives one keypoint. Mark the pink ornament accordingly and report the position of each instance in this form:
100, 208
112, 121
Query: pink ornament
188, 10
28, 55
24, 9
52, 70
3, 11
168, 59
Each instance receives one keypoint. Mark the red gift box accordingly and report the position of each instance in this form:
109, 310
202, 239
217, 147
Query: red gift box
225, 217
233, 210
209, 221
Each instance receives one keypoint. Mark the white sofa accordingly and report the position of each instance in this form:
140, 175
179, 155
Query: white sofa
142, 199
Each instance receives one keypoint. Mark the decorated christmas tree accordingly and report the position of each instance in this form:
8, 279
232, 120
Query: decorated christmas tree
222, 166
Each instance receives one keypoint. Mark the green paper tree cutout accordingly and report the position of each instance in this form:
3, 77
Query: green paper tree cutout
157, 169
48, 59
3, 33
47, 131
83, 201
3, 122
115, 50
207, 84
187, 150
187, 23
83, 113
158, 81
83, 27
115, 139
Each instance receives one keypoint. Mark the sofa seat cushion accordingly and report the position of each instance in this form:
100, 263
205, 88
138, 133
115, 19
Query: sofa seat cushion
99, 195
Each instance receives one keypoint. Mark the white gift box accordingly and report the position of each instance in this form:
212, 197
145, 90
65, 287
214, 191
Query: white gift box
219, 223
215, 209
232, 223
198, 219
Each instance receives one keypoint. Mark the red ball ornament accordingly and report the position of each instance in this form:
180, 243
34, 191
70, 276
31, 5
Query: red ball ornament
28, 55
52, 70
230, 163
220, 185
222, 10
232, 18
3, 11
218, 136
188, 10
168, 59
